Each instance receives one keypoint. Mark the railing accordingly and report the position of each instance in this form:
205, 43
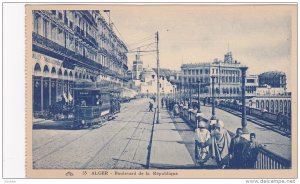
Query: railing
267, 116
63, 51
266, 159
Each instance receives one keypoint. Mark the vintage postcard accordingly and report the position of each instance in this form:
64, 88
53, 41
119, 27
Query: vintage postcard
161, 91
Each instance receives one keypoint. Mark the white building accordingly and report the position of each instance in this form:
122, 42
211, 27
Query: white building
227, 75
252, 84
148, 84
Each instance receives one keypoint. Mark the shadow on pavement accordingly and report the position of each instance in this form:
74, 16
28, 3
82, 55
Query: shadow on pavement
53, 125
60, 125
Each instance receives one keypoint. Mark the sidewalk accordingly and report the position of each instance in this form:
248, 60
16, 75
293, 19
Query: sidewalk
275, 142
168, 148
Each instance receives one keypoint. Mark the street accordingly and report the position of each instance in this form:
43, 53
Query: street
123, 143
133, 141
120, 143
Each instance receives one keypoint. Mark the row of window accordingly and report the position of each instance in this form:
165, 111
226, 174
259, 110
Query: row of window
104, 39
225, 91
275, 106
227, 79
56, 34
196, 72
206, 71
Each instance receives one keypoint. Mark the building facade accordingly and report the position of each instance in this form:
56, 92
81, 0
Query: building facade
273, 79
227, 77
148, 85
251, 85
68, 46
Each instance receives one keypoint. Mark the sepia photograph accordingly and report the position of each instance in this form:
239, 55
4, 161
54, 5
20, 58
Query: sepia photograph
156, 90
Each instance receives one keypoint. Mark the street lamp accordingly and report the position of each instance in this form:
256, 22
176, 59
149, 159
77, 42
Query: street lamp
244, 119
199, 111
190, 96
199, 86
184, 95
213, 115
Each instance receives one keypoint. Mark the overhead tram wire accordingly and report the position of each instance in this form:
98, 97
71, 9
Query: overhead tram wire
146, 45
141, 41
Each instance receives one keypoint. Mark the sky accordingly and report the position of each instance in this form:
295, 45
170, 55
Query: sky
258, 36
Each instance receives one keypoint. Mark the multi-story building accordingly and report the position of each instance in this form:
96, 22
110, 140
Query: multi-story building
273, 79
251, 85
73, 45
227, 77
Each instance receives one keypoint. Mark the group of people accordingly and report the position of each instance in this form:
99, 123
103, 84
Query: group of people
213, 141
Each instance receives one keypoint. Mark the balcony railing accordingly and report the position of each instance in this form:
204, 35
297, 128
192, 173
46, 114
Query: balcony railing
63, 52
91, 39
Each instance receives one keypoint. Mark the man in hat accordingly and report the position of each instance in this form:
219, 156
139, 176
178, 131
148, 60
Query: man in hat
237, 150
202, 142
251, 152
220, 144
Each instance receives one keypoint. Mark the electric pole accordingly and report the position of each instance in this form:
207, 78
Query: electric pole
158, 84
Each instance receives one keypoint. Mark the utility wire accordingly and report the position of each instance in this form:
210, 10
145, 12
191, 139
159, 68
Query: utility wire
141, 40
146, 45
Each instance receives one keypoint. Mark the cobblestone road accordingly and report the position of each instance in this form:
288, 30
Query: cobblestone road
120, 143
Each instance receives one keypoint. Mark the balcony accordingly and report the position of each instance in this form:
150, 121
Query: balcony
91, 40
86, 37
52, 49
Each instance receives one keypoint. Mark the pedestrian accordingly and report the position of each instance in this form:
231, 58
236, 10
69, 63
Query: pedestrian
175, 110
251, 152
237, 150
202, 143
220, 145
150, 107
162, 102
170, 105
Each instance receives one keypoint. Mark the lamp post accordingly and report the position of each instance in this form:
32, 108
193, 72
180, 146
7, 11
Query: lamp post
158, 75
198, 111
175, 95
213, 115
199, 86
180, 97
184, 94
190, 96
244, 119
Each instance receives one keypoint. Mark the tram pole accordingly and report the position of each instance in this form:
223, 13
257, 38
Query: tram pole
158, 84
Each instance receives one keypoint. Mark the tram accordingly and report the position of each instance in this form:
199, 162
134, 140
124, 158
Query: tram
94, 104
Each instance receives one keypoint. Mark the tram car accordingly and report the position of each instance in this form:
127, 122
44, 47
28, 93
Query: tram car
93, 104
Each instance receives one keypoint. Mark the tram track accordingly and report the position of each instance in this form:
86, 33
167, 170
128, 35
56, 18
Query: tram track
129, 141
85, 165
69, 142
71, 132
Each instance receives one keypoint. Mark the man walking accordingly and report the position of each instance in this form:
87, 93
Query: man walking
162, 102
150, 107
